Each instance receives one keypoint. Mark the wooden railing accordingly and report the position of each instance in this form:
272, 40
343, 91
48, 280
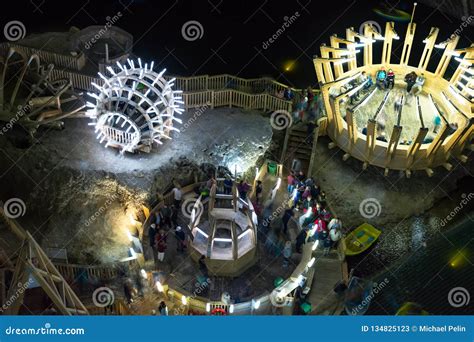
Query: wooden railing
103, 271
59, 60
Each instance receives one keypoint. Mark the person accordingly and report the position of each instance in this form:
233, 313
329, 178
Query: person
210, 182
380, 77
390, 79
355, 96
335, 223
259, 191
437, 124
398, 103
228, 183
301, 239
177, 195
301, 177
152, 237
310, 126
366, 78
166, 216
243, 188
180, 239
288, 95
410, 80
280, 94
291, 181
161, 244
418, 87
163, 309
287, 215
310, 96
174, 215
128, 290
382, 137
158, 218
203, 266
287, 251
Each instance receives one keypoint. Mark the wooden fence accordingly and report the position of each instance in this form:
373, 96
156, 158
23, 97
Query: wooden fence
60, 61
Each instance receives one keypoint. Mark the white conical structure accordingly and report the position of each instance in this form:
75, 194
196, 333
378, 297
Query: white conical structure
134, 107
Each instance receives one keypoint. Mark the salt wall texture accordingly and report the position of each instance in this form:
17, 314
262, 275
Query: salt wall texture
79, 194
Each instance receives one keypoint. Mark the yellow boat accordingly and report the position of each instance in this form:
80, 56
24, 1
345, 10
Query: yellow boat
361, 238
410, 308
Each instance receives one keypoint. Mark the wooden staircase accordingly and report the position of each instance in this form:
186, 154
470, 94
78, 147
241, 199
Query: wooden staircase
298, 146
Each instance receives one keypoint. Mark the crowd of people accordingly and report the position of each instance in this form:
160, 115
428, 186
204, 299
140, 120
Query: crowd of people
308, 210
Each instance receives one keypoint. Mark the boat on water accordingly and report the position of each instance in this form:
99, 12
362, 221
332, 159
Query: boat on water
411, 308
361, 238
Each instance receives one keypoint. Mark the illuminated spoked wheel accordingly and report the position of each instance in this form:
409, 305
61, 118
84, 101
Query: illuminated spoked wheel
135, 107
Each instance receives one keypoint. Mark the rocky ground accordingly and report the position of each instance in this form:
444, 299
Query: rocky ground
79, 195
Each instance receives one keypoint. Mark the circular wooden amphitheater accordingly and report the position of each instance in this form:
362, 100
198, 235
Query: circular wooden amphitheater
410, 141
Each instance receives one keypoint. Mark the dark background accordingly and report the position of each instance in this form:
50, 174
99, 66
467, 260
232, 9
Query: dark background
234, 31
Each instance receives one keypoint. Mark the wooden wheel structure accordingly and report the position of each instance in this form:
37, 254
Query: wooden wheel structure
135, 107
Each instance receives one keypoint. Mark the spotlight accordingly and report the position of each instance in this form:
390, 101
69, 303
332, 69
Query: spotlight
256, 304
159, 287
184, 300
315, 245
231, 309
